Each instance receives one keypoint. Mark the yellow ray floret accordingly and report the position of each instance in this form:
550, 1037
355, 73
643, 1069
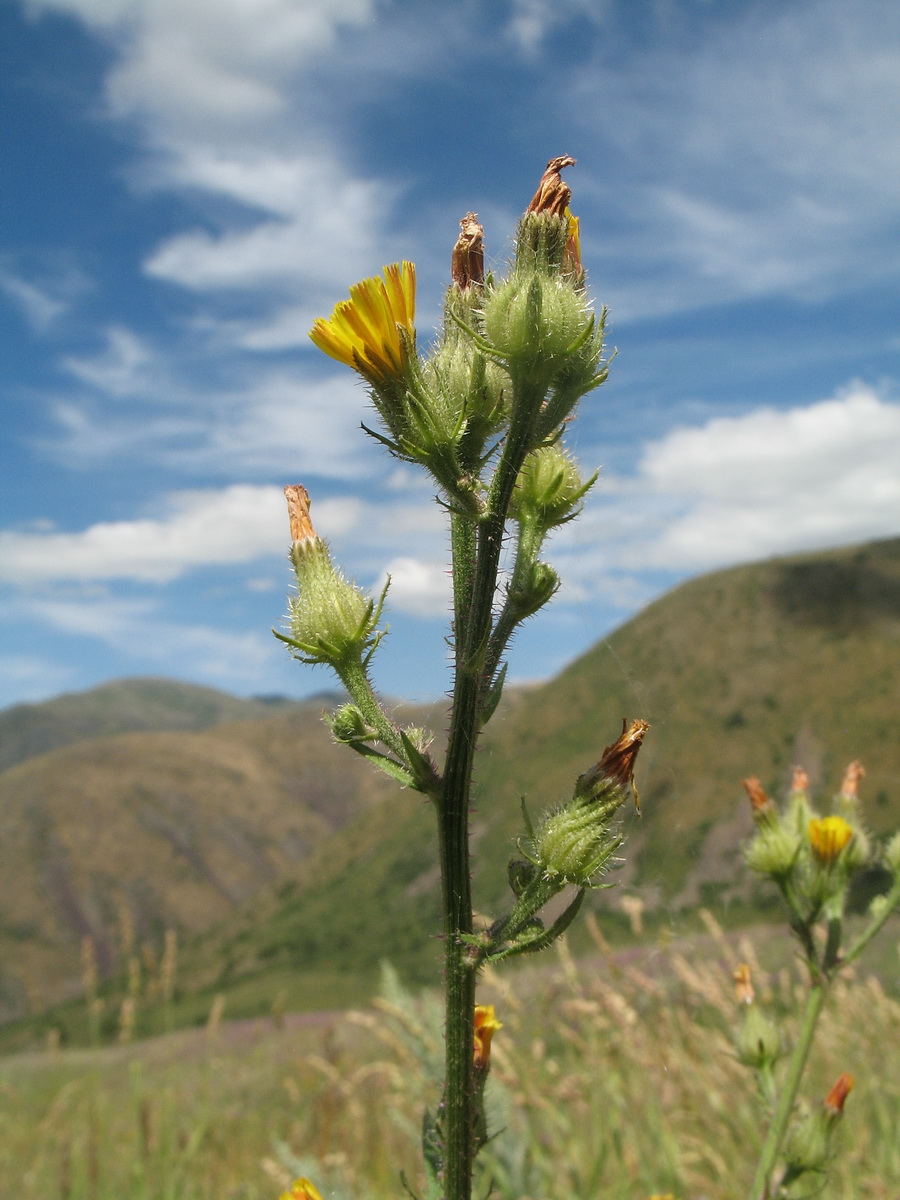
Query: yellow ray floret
828, 837
364, 331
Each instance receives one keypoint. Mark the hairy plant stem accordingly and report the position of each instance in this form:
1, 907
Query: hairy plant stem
759, 1189
476, 559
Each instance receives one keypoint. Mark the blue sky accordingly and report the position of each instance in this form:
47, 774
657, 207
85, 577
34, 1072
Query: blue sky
188, 184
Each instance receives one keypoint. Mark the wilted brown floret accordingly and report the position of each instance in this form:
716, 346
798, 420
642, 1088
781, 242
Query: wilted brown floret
850, 785
298, 512
834, 1101
743, 987
553, 195
759, 801
617, 761
799, 780
467, 261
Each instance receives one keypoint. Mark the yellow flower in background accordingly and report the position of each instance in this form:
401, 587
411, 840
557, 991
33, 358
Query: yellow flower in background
486, 1025
301, 1189
364, 331
828, 837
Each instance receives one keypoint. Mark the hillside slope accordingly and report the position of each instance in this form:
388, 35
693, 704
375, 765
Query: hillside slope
121, 706
157, 830
747, 670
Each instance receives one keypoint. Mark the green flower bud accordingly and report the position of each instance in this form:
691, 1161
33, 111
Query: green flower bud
536, 324
331, 620
549, 489
774, 849
575, 844
539, 584
349, 725
806, 1146
759, 1040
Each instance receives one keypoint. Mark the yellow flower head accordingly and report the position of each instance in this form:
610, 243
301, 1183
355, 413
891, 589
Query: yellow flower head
364, 331
301, 1189
828, 837
486, 1025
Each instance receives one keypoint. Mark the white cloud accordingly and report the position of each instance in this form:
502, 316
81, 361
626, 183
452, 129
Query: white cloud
419, 588
743, 488
237, 524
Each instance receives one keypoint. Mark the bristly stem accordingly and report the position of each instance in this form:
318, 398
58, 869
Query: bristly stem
476, 560
759, 1189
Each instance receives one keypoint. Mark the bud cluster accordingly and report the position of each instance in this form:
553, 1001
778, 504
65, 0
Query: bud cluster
810, 857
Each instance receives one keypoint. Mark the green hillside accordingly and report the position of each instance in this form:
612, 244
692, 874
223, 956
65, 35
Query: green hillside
747, 670
298, 869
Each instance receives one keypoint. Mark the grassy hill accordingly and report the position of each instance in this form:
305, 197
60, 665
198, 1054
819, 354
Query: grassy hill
120, 838
747, 670
122, 706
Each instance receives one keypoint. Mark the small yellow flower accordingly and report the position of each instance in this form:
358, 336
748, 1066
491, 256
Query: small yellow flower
364, 331
301, 1189
828, 837
486, 1025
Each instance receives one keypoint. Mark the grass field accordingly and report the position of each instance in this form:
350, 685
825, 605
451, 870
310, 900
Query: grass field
613, 1076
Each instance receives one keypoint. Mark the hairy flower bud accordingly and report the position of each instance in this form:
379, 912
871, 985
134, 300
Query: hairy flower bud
773, 851
758, 1040
549, 489
331, 621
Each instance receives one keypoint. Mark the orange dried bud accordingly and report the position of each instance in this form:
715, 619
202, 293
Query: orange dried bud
301, 1189
553, 195
828, 836
799, 780
850, 784
467, 261
834, 1101
759, 801
298, 513
616, 763
743, 987
486, 1025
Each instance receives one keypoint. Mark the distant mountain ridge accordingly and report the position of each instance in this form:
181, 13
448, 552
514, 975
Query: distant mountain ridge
289, 859
119, 706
